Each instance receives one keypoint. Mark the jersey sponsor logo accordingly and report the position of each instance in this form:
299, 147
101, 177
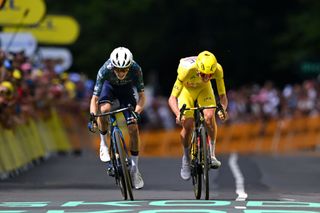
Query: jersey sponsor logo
176, 87
190, 84
207, 99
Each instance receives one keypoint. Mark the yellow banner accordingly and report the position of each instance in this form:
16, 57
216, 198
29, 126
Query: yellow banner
53, 30
21, 12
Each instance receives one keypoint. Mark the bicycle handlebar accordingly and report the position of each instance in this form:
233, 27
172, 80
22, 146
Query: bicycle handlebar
129, 108
183, 108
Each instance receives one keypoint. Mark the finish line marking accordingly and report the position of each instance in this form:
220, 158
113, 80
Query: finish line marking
242, 195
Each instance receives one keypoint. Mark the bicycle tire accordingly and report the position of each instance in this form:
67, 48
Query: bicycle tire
205, 163
120, 178
195, 167
123, 156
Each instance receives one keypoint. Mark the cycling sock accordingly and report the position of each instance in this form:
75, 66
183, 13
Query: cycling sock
103, 132
186, 152
103, 141
134, 161
213, 148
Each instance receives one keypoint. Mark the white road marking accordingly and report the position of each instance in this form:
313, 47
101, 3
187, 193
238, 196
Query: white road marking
242, 195
240, 207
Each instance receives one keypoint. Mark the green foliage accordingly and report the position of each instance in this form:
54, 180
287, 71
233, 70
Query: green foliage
248, 37
301, 39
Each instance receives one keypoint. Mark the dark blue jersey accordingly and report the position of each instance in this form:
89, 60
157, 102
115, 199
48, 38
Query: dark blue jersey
106, 73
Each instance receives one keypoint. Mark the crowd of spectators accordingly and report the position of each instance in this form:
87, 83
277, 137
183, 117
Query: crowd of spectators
255, 102
29, 89
251, 103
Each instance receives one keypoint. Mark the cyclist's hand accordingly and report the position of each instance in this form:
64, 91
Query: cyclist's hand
221, 112
136, 116
180, 119
223, 115
92, 124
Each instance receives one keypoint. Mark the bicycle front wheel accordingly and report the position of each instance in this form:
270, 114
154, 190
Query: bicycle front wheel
123, 158
196, 167
205, 161
120, 181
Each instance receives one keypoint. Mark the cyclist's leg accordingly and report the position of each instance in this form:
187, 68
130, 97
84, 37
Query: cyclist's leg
186, 97
105, 101
125, 95
206, 98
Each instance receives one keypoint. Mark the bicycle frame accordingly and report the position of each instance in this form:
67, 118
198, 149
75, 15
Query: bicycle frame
119, 153
199, 151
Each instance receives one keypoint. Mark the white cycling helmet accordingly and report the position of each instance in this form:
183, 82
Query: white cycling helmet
121, 57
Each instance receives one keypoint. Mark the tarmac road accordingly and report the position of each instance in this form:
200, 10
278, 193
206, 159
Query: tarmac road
244, 183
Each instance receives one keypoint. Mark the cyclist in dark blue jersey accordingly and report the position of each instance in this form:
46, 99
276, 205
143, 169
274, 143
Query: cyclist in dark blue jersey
116, 80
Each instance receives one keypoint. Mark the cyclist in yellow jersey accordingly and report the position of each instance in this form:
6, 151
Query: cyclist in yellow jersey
194, 83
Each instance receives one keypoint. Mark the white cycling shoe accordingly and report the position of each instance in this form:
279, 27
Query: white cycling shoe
215, 163
185, 172
104, 154
137, 180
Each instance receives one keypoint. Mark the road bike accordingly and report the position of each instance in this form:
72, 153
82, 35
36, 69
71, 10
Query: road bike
119, 153
200, 150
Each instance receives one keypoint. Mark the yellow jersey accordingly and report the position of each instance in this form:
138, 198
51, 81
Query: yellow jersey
189, 79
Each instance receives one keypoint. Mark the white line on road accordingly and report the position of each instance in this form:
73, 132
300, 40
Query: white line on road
242, 195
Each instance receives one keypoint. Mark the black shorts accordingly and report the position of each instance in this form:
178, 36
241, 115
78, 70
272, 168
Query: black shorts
124, 94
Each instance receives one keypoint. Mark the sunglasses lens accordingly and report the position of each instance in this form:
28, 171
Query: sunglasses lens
205, 75
122, 70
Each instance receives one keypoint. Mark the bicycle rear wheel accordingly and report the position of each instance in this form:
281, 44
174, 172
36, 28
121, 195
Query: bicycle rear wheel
205, 162
195, 168
123, 158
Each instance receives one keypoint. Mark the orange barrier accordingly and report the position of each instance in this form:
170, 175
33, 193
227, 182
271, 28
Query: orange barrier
259, 137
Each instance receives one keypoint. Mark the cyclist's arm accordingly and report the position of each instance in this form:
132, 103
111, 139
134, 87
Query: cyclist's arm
224, 101
173, 103
139, 84
183, 71
173, 100
221, 87
94, 104
97, 89
141, 102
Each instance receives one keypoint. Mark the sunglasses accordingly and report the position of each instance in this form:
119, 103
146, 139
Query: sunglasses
122, 70
202, 75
